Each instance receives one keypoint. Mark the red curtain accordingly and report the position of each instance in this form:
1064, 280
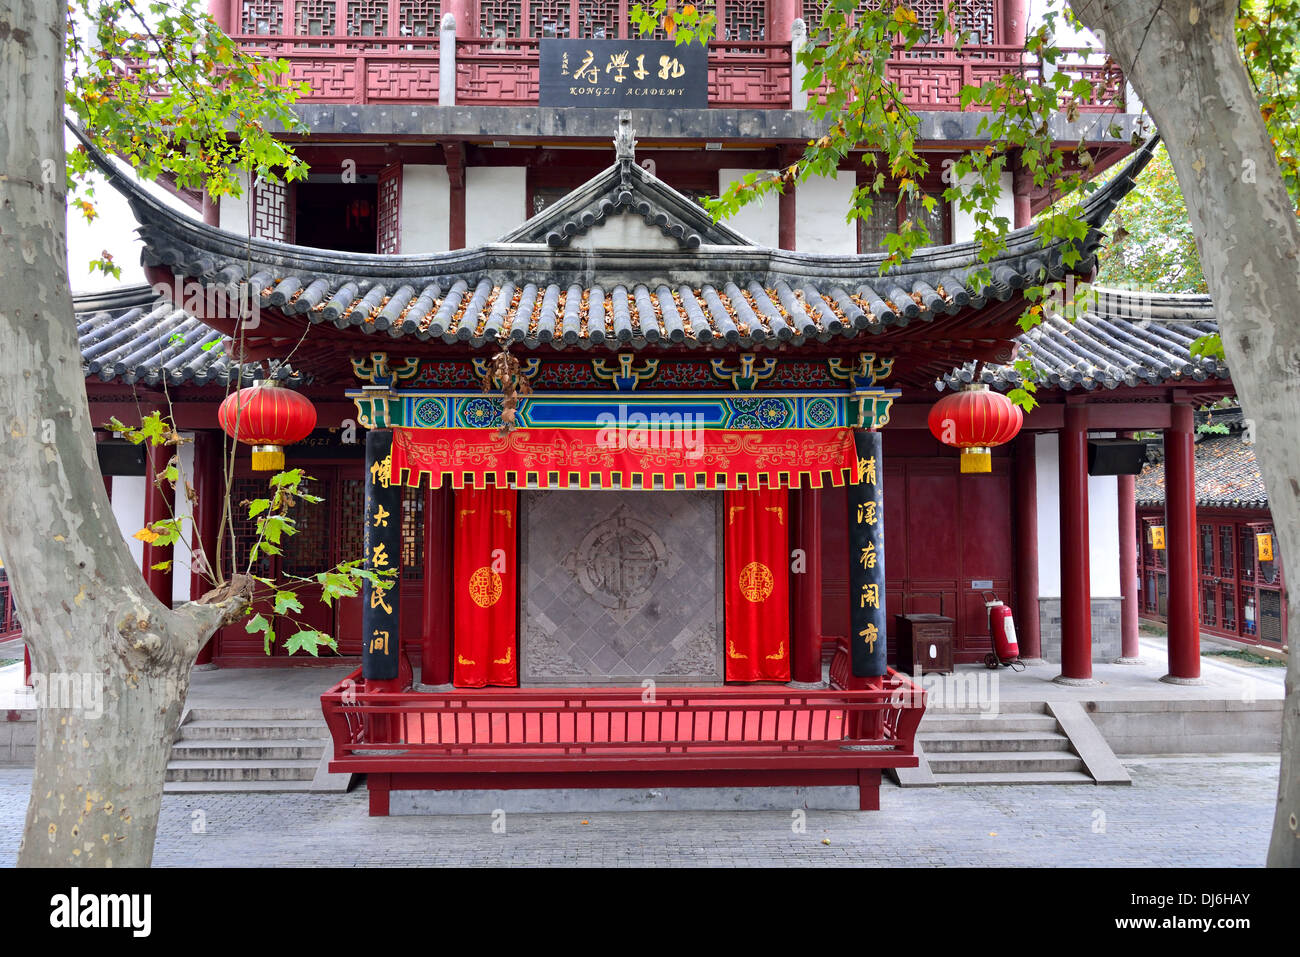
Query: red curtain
485, 536
758, 585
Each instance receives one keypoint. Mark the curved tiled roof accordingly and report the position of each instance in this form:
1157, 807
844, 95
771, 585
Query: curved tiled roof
535, 295
1227, 475
1126, 339
131, 335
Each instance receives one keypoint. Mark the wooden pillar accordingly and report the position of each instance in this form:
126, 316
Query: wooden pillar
381, 605
1026, 610
455, 156
159, 504
1128, 568
1076, 582
786, 226
209, 486
1180, 554
436, 650
806, 585
783, 14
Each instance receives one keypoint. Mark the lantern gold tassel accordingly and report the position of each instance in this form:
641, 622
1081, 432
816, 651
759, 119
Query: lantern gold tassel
268, 458
976, 460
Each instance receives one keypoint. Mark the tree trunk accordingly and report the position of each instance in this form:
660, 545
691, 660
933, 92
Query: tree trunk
100, 642
1182, 57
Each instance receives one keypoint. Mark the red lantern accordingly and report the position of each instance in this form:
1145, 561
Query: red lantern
269, 418
974, 420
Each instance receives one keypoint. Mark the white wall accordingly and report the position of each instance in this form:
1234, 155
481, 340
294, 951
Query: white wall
128, 509
181, 552
233, 213
1046, 446
821, 205
496, 199
1103, 525
963, 223
759, 221
425, 213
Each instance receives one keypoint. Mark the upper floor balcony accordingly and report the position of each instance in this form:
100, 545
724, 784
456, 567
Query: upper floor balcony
392, 51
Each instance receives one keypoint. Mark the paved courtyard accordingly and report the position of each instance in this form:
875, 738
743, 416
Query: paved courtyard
1178, 812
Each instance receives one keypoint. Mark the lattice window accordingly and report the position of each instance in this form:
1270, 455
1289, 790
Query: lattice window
271, 212
499, 18
309, 551
419, 18
1229, 607
602, 19
1270, 615
1225, 551
548, 19
1206, 551
352, 516
743, 20
883, 220
245, 490
262, 17
932, 220
314, 18
389, 233
977, 20
367, 18
1247, 554
412, 534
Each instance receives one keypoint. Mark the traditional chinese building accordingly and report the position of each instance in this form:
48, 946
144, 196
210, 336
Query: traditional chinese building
602, 440
1240, 579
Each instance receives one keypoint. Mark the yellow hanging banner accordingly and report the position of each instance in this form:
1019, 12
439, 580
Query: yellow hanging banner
1157, 536
1264, 547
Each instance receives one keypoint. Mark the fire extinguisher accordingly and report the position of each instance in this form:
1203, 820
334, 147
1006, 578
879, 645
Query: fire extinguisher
1002, 635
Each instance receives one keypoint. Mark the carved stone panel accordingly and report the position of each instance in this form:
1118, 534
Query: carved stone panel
620, 587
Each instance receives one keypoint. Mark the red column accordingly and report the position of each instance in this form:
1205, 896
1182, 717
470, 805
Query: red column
785, 219
1076, 584
1128, 570
454, 154
436, 621
1180, 540
209, 486
159, 504
806, 586
466, 27
784, 13
1027, 616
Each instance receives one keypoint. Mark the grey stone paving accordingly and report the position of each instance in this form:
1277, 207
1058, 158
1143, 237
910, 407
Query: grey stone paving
1179, 812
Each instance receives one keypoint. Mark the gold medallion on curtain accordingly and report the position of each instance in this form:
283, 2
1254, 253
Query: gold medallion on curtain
758, 585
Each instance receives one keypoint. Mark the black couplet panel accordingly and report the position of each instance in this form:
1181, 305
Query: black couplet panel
866, 521
624, 73
380, 614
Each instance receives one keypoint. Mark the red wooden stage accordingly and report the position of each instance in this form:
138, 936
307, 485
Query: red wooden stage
585, 738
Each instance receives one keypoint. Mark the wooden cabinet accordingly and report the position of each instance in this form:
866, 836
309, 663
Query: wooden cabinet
924, 640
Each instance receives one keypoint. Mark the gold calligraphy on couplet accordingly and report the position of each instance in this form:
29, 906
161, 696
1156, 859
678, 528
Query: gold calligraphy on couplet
381, 516
870, 596
377, 599
867, 470
379, 641
868, 557
869, 635
866, 513
379, 556
381, 470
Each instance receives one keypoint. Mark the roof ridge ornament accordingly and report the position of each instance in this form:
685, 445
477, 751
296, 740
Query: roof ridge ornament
625, 143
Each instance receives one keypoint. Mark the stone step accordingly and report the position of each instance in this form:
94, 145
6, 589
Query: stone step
1004, 707
996, 761
940, 742
1013, 778
253, 729
242, 770
256, 714
193, 749
241, 787
943, 722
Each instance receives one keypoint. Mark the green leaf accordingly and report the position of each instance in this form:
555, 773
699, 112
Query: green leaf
286, 601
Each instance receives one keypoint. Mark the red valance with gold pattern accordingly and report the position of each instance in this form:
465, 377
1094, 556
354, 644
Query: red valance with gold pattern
591, 458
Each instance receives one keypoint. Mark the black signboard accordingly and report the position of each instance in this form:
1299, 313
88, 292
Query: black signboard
867, 559
653, 74
380, 613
